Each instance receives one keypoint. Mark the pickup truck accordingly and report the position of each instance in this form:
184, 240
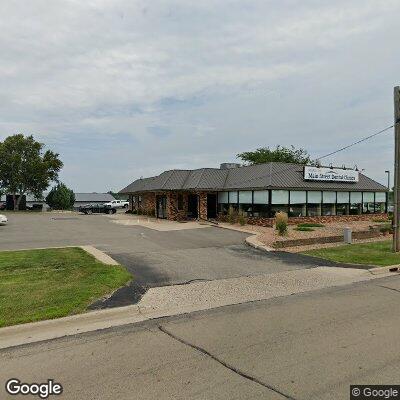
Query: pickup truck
117, 204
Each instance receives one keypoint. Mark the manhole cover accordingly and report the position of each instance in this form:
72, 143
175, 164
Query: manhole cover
65, 219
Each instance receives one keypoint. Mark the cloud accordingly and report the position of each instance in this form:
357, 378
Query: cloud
122, 89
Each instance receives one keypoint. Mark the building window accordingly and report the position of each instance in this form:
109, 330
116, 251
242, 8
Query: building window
368, 203
260, 203
328, 203
343, 200
314, 200
233, 201
245, 203
279, 201
355, 203
298, 200
223, 203
380, 202
180, 202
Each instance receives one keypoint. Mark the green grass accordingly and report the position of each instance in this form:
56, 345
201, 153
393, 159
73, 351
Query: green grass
374, 253
304, 229
52, 283
310, 225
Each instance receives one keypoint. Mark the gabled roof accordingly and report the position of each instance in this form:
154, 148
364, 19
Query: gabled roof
272, 175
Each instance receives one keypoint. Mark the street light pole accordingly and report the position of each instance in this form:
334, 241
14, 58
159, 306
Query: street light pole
388, 174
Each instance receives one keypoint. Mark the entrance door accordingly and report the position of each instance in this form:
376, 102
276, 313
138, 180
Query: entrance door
161, 206
211, 205
193, 206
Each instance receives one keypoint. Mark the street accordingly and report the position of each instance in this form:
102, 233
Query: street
306, 346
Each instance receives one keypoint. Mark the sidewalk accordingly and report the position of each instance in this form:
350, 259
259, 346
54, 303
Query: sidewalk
181, 299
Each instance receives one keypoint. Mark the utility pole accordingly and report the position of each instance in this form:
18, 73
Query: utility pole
396, 191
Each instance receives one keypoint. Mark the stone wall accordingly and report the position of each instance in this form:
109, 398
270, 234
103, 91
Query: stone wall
203, 205
172, 206
148, 204
259, 221
280, 244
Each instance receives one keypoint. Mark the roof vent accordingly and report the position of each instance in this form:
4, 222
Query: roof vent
227, 165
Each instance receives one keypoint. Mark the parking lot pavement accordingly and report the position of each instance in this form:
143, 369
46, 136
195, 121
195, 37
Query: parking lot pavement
154, 258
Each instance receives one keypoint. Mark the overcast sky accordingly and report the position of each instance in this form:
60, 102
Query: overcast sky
123, 89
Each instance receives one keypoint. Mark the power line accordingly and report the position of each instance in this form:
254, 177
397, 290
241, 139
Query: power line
320, 158
358, 141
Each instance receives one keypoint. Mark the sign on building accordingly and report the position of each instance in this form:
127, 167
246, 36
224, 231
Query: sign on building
330, 174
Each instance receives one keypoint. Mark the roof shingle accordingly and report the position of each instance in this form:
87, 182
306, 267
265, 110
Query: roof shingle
272, 175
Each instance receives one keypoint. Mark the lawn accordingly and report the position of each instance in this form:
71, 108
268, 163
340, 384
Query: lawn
51, 283
374, 253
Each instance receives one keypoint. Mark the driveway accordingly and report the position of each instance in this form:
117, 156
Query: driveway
154, 258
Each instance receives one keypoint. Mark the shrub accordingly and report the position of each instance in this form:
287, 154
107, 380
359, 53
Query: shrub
242, 220
310, 225
281, 222
232, 216
386, 229
379, 220
60, 197
304, 229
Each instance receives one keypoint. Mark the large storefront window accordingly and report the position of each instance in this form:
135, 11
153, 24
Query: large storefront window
279, 201
245, 203
328, 203
298, 200
355, 203
380, 202
343, 200
368, 203
233, 201
260, 207
223, 203
314, 200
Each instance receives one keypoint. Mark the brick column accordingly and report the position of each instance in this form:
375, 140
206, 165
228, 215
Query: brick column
203, 205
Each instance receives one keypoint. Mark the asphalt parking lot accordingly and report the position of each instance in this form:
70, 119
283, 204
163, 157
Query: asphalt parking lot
154, 258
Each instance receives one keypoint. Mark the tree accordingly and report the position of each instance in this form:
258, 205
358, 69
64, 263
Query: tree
26, 168
280, 154
60, 197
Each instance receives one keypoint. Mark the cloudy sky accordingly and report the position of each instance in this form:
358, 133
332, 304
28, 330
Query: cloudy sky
123, 89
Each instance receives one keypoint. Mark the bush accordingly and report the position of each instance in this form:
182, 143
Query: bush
310, 225
304, 229
242, 220
60, 198
379, 220
386, 229
232, 216
281, 222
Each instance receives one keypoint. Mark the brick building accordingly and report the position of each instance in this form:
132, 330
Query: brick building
258, 192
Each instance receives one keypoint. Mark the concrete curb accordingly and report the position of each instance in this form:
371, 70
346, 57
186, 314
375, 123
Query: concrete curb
99, 255
254, 242
385, 270
182, 299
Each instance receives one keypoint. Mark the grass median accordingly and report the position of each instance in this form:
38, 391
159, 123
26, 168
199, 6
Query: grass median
52, 283
373, 253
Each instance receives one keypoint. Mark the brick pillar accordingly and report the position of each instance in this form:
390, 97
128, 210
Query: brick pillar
203, 205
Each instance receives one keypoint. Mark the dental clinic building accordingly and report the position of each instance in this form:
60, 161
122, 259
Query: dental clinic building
259, 191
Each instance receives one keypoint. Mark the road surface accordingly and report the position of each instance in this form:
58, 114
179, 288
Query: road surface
307, 346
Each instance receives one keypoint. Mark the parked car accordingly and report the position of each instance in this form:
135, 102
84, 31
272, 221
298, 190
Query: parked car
3, 219
118, 204
97, 209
